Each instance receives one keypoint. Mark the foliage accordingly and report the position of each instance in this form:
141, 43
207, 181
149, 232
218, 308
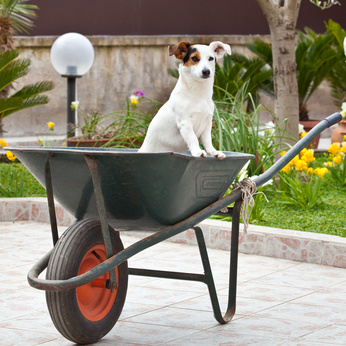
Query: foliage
18, 13
337, 163
132, 123
325, 3
315, 58
15, 17
337, 75
239, 131
343, 110
124, 128
328, 218
300, 190
28, 96
236, 71
17, 181
94, 127
300, 181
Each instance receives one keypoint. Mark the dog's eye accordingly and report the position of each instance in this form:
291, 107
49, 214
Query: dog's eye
194, 59
211, 58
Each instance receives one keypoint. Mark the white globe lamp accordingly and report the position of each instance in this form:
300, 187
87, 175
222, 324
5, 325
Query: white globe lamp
72, 56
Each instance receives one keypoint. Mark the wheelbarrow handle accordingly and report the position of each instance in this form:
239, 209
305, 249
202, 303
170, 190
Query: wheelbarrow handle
297, 148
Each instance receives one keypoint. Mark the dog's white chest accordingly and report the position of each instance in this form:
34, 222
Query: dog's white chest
201, 116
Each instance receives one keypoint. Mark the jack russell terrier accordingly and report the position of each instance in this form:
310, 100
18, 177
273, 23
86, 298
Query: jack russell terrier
187, 115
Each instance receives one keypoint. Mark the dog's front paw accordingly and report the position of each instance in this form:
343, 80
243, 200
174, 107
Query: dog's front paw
199, 153
220, 155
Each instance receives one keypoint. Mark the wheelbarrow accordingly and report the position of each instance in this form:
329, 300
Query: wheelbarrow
112, 190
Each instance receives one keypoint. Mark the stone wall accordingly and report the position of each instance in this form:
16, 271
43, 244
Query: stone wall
123, 64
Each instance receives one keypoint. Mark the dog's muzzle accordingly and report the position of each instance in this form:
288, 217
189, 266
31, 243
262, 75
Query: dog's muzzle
206, 73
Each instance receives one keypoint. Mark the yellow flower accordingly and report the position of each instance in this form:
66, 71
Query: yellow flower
286, 168
337, 159
308, 156
343, 149
328, 164
303, 134
283, 153
39, 141
334, 148
310, 171
295, 160
303, 152
10, 156
51, 125
301, 165
321, 171
3, 143
64, 144
134, 99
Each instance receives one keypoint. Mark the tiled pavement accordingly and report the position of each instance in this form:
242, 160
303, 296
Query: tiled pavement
279, 302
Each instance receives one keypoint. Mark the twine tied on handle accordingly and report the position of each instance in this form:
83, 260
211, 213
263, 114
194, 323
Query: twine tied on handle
248, 189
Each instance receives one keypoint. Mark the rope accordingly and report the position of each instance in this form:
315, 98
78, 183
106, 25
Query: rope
248, 189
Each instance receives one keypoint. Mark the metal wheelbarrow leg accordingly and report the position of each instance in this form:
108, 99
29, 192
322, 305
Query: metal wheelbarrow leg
233, 268
207, 277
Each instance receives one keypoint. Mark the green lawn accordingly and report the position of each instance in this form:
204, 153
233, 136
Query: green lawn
328, 218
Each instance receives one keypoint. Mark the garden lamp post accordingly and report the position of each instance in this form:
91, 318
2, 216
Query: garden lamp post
72, 55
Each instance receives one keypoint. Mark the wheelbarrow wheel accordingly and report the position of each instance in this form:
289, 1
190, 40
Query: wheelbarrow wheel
87, 313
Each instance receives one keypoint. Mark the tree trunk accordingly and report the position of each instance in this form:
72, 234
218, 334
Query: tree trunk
282, 18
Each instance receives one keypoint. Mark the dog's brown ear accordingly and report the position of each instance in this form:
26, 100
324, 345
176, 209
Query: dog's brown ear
179, 49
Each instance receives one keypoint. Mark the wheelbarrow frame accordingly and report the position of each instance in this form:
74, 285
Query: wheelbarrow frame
114, 260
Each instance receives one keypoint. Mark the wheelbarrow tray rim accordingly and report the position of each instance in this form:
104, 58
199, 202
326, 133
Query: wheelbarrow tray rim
119, 151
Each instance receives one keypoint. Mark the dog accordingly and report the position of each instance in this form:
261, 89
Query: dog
187, 116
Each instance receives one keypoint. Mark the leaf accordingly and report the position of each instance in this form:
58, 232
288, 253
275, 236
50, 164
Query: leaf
34, 89
13, 71
7, 57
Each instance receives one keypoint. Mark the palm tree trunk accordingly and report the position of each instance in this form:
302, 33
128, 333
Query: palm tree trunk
282, 19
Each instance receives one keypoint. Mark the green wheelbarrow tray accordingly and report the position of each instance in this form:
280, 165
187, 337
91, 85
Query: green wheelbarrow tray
140, 191
166, 193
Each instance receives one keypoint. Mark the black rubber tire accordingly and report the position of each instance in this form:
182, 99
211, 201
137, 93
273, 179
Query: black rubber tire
64, 264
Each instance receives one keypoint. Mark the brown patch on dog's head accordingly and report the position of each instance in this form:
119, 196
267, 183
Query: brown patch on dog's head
179, 50
185, 52
192, 57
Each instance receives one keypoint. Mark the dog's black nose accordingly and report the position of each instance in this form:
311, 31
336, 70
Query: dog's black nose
206, 73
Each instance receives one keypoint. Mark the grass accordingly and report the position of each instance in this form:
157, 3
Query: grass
17, 181
327, 218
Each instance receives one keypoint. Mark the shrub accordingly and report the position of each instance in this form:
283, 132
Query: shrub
237, 130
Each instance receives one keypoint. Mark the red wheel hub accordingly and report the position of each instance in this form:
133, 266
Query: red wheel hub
94, 299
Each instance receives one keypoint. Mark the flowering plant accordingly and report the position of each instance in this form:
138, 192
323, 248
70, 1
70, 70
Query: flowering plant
45, 142
337, 162
136, 96
9, 154
123, 128
300, 181
95, 126
343, 107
